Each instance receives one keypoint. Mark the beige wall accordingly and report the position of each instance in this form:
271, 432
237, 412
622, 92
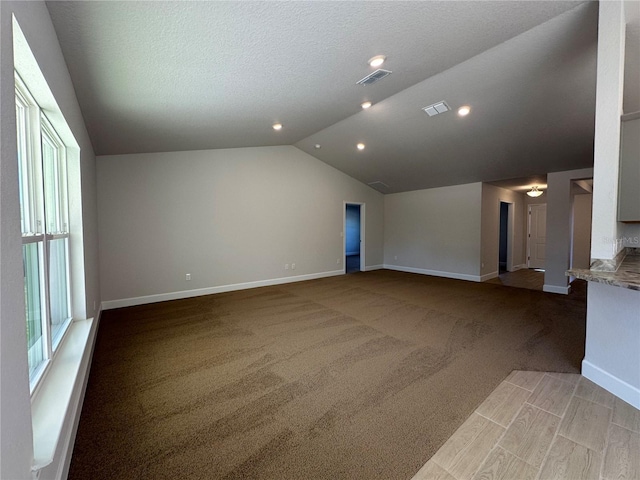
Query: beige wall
491, 198
228, 217
435, 231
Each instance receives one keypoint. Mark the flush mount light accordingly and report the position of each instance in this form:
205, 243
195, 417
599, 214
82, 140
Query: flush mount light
366, 105
377, 60
534, 192
464, 110
277, 126
360, 146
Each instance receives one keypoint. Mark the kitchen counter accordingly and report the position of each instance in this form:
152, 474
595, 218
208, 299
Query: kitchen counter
627, 275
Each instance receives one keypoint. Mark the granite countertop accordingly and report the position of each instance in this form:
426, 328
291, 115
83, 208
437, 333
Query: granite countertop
627, 275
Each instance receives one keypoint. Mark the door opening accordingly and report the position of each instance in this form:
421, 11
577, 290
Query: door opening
582, 196
504, 237
353, 238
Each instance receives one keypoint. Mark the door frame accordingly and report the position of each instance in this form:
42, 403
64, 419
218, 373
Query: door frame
529, 232
344, 234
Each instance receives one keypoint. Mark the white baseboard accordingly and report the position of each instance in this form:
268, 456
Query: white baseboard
489, 276
435, 273
619, 388
163, 297
373, 267
556, 289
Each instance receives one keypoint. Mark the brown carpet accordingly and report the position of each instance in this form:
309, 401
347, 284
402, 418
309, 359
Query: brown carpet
360, 376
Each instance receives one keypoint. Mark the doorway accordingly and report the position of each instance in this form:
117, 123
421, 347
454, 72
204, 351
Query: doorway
537, 236
504, 237
353, 237
582, 199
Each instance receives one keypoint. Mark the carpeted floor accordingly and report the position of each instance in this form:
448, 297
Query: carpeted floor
351, 377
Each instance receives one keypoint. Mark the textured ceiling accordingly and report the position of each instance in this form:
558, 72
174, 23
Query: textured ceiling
169, 76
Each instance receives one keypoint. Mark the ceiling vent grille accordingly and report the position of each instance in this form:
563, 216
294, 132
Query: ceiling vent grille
373, 77
379, 186
436, 108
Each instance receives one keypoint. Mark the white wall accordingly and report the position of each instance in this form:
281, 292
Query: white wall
612, 356
581, 232
491, 198
16, 436
228, 217
609, 91
434, 231
559, 212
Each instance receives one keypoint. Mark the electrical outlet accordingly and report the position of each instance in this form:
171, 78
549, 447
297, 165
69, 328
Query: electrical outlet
293, 266
286, 266
338, 261
187, 277
395, 257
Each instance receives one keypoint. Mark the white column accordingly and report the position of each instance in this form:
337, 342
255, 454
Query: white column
609, 89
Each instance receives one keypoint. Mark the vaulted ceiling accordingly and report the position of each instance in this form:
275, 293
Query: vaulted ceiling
170, 76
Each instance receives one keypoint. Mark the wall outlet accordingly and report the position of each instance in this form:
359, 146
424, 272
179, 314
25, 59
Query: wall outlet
187, 277
286, 266
293, 266
395, 257
482, 264
338, 261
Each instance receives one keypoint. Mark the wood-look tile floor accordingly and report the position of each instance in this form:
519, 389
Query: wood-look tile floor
539, 426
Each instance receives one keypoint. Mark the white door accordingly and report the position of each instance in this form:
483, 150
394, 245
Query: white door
537, 238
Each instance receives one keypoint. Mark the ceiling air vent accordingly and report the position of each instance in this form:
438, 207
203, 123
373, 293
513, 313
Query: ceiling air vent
373, 77
379, 186
436, 108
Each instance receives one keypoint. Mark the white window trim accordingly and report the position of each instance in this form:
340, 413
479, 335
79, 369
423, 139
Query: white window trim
39, 127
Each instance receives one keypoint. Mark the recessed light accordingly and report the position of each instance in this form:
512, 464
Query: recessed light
377, 60
317, 146
277, 126
464, 110
366, 105
360, 146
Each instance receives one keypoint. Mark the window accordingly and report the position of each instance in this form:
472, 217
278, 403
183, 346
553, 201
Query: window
42, 175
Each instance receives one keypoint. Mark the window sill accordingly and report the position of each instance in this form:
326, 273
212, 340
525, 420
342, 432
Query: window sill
58, 396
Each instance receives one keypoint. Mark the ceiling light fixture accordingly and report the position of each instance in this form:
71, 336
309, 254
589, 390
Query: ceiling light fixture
366, 105
377, 60
360, 146
277, 126
317, 146
534, 192
464, 110
436, 108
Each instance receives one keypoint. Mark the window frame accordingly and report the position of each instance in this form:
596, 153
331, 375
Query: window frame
34, 129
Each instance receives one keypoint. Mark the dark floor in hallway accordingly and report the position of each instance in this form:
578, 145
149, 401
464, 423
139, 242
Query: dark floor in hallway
353, 263
529, 278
